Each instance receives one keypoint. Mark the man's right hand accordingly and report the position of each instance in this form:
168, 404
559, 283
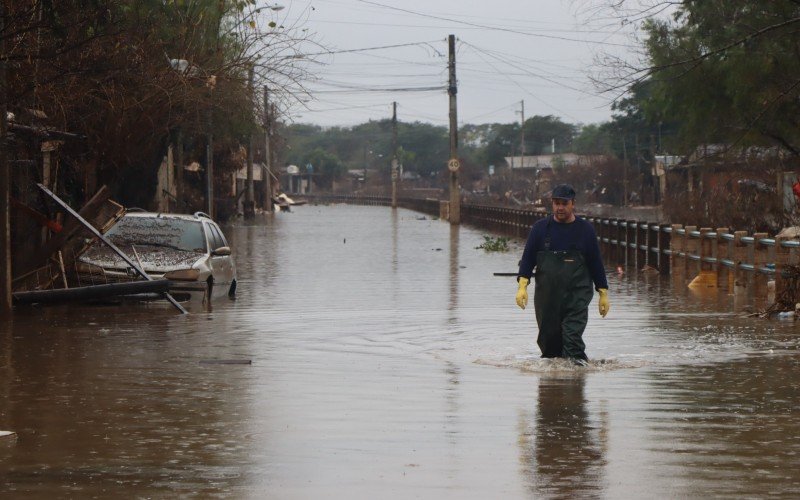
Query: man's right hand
522, 293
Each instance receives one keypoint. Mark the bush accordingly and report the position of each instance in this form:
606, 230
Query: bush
499, 244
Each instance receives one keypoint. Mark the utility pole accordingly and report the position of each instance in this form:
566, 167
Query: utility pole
394, 154
365, 163
522, 136
273, 153
210, 158
267, 152
653, 171
624, 171
249, 195
5, 182
638, 174
453, 165
180, 204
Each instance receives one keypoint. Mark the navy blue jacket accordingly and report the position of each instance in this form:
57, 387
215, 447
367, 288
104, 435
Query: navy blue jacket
578, 235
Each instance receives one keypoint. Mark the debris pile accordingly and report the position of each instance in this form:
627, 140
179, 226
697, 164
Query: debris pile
787, 299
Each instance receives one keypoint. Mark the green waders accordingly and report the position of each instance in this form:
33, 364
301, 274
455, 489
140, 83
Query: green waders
561, 299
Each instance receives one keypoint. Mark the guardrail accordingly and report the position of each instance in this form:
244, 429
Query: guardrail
669, 248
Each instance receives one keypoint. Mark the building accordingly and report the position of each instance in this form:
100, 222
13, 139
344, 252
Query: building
551, 161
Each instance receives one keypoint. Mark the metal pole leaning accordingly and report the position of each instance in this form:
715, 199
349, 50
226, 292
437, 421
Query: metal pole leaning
108, 242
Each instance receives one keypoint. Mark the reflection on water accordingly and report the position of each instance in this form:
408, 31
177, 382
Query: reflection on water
563, 446
727, 420
387, 360
454, 270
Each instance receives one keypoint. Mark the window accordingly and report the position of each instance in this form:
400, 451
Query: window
180, 234
216, 237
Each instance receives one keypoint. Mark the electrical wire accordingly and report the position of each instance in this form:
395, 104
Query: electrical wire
366, 49
530, 93
386, 90
479, 27
507, 106
495, 28
535, 75
344, 108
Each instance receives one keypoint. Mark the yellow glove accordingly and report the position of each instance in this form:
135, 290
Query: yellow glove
522, 293
603, 305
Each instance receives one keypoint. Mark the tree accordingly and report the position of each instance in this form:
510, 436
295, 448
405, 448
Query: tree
327, 166
541, 132
726, 71
127, 75
423, 148
593, 139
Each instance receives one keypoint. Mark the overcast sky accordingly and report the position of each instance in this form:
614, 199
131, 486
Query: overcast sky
539, 51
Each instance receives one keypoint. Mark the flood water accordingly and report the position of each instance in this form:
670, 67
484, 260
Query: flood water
386, 361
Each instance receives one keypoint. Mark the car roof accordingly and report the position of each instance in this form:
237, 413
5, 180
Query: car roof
198, 216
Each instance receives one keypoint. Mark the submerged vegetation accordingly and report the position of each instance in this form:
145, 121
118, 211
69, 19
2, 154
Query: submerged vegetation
490, 244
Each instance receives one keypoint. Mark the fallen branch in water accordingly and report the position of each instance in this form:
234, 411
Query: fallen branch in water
788, 298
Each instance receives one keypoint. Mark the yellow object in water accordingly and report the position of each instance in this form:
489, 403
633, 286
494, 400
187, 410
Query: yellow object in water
706, 279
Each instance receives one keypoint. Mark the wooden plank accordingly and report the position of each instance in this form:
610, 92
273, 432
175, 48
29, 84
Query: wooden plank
70, 228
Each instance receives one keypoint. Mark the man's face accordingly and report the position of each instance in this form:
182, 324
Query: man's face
563, 210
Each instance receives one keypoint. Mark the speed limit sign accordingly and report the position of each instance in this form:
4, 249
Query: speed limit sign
453, 164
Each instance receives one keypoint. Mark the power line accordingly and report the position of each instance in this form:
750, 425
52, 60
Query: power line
344, 108
535, 75
496, 28
507, 106
386, 90
521, 60
527, 91
479, 27
366, 49
366, 86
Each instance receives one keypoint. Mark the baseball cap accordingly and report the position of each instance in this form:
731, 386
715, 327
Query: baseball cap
563, 192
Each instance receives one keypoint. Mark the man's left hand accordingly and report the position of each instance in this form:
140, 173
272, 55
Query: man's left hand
603, 305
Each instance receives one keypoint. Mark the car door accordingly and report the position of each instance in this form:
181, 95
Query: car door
221, 265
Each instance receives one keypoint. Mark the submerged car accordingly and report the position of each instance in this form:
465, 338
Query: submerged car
189, 250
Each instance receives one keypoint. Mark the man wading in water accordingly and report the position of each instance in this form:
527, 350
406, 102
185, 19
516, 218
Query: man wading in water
563, 248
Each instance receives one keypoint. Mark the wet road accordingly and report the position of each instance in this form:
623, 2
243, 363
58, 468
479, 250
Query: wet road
388, 362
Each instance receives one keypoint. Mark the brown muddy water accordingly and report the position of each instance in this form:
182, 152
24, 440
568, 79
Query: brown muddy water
388, 362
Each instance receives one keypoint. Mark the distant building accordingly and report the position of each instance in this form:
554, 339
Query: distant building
728, 168
542, 162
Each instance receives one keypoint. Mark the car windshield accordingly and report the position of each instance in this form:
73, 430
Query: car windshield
172, 233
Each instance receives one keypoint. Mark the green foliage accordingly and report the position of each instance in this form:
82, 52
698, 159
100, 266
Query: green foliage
728, 72
422, 148
502, 140
593, 139
492, 244
127, 75
540, 131
327, 165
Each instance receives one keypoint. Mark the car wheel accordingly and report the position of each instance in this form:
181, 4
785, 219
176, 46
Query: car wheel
232, 290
